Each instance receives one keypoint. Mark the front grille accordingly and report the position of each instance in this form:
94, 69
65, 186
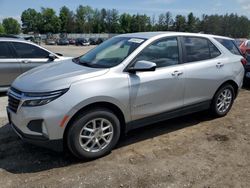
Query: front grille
14, 99
13, 103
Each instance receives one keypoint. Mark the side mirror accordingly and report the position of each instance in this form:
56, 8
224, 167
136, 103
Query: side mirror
142, 66
59, 54
52, 57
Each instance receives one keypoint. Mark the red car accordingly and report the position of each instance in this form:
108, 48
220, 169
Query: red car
244, 47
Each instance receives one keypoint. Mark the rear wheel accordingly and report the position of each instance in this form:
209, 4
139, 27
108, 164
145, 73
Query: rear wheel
223, 100
94, 134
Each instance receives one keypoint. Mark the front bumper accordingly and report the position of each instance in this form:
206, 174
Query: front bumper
55, 145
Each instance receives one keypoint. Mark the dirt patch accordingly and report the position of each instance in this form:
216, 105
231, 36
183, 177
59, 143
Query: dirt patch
218, 137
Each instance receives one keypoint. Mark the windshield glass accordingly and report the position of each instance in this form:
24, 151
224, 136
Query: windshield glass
110, 53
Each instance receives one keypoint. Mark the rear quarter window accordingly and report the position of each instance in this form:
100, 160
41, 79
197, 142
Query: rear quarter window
230, 45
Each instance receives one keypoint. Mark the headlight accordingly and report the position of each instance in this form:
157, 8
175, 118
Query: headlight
39, 99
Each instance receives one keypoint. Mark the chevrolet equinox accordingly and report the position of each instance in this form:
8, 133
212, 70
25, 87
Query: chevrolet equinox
128, 81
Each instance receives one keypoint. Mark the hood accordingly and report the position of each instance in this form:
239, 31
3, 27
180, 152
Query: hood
55, 76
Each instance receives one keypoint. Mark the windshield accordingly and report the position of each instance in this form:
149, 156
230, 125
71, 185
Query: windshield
110, 53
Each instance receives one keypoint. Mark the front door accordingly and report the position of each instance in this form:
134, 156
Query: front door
30, 56
162, 90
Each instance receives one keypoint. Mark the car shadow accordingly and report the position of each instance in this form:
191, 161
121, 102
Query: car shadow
18, 157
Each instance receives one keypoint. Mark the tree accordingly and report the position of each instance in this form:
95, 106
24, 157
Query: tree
165, 21
2, 31
191, 23
180, 23
125, 22
11, 26
51, 22
103, 20
67, 19
31, 20
84, 17
113, 21
97, 19
87, 20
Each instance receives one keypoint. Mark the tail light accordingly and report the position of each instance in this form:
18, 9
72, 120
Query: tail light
243, 61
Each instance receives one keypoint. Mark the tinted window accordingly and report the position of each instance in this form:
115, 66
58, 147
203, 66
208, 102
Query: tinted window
214, 52
163, 53
197, 49
29, 51
230, 45
5, 51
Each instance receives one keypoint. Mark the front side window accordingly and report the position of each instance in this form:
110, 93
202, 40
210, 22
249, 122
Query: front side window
110, 53
24, 50
5, 51
163, 53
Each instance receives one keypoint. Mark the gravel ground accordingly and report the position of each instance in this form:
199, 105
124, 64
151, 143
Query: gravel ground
191, 151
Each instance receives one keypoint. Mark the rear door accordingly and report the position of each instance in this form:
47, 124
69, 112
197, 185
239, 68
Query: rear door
9, 66
205, 69
30, 56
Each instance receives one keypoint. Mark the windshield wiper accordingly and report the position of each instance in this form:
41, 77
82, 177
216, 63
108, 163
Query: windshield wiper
84, 63
75, 60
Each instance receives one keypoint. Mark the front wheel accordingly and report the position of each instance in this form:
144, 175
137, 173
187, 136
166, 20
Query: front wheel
94, 134
223, 100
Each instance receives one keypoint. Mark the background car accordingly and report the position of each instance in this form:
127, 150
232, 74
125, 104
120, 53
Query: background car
239, 41
100, 40
93, 41
63, 42
82, 42
245, 46
50, 42
72, 41
18, 56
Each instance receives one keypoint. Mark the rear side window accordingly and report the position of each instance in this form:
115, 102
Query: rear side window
230, 45
199, 49
24, 50
5, 51
214, 52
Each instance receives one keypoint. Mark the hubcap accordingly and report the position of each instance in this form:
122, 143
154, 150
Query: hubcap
224, 100
96, 135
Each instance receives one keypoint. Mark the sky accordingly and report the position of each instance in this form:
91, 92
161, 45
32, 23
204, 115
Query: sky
14, 8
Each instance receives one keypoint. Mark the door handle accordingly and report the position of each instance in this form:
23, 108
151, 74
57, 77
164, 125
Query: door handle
25, 61
219, 65
177, 73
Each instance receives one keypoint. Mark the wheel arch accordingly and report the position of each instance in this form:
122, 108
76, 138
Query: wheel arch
107, 105
233, 84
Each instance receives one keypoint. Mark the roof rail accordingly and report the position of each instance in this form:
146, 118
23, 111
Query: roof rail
9, 36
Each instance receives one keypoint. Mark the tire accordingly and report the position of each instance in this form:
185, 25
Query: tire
221, 105
88, 148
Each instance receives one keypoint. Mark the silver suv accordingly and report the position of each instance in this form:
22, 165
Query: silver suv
129, 81
18, 56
